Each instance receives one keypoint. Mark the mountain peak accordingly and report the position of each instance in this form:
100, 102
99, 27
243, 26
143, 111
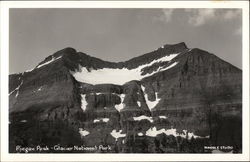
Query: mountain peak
180, 45
68, 50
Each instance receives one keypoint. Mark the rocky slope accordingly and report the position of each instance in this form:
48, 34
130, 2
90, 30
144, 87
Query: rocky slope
173, 99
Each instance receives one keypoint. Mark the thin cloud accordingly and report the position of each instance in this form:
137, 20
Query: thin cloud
168, 14
199, 17
165, 16
231, 14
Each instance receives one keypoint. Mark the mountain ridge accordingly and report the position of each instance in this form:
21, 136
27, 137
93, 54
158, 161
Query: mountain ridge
172, 93
69, 50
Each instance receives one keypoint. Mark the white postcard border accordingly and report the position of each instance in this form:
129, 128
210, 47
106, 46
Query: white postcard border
4, 7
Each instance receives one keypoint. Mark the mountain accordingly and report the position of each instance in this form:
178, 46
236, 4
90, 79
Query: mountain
173, 99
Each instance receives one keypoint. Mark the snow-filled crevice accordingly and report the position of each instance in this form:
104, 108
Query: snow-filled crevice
120, 106
84, 102
17, 89
151, 104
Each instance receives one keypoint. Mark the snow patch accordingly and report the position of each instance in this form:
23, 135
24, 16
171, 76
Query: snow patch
151, 104
96, 121
139, 103
120, 106
140, 134
48, 62
107, 75
84, 103
23, 121
39, 89
162, 117
83, 132
105, 119
99, 93
143, 117
153, 132
101, 120
117, 134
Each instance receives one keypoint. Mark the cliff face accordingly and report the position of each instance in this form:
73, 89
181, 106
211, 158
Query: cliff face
173, 99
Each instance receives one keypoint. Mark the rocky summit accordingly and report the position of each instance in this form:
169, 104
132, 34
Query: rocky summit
171, 100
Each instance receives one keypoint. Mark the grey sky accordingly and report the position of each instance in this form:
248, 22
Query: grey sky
120, 34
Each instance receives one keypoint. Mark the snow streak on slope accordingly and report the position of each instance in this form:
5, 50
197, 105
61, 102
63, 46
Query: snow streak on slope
17, 89
48, 62
119, 76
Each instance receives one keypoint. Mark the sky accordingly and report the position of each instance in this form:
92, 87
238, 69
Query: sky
120, 34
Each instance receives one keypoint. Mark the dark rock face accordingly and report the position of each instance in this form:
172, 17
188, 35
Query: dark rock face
193, 103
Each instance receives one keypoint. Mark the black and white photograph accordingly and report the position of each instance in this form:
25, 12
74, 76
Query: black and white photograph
125, 80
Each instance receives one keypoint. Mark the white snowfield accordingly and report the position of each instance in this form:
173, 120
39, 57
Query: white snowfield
117, 134
48, 62
84, 103
120, 106
83, 132
119, 76
151, 104
143, 117
101, 120
153, 132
